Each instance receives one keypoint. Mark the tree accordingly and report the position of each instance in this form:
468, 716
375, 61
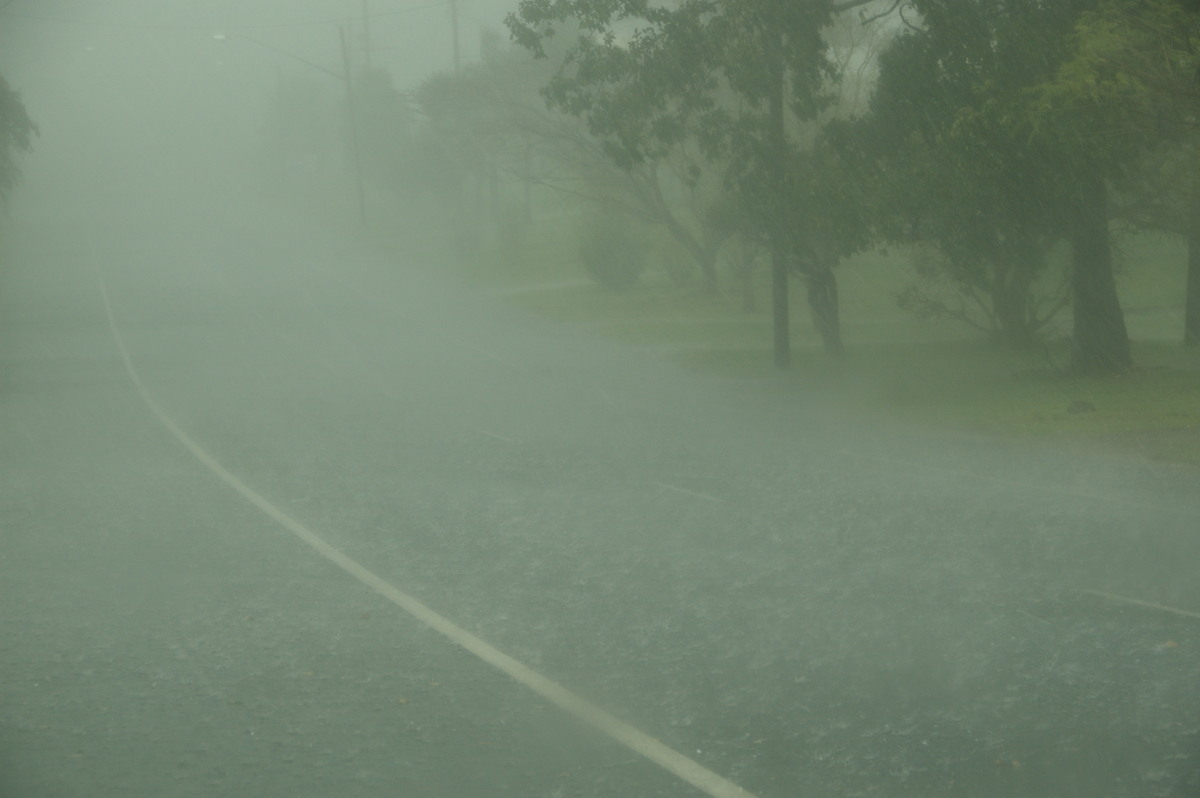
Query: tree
733, 78
984, 163
1135, 68
492, 116
17, 131
384, 126
946, 172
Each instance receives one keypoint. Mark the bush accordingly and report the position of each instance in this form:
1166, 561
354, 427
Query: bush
677, 263
611, 252
512, 233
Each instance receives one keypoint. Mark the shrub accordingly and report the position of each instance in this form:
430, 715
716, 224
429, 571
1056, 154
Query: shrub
611, 252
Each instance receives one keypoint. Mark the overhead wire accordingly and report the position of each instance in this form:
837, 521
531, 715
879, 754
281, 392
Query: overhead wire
197, 27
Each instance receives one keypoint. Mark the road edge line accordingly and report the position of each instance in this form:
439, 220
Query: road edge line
631, 737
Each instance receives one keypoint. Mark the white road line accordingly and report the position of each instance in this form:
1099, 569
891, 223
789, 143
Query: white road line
636, 740
1140, 603
496, 437
687, 492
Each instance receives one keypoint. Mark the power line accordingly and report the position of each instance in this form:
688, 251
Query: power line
265, 26
293, 56
408, 10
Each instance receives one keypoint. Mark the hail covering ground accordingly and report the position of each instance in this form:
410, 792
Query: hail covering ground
805, 602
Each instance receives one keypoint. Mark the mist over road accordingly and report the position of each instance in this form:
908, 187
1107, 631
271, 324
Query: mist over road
804, 602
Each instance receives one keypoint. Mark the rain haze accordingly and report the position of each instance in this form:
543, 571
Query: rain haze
481, 398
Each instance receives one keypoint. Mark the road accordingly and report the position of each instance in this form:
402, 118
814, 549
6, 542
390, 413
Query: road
238, 441
801, 601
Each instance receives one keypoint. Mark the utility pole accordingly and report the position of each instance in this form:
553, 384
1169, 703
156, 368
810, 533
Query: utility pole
345, 77
454, 34
777, 152
366, 14
349, 78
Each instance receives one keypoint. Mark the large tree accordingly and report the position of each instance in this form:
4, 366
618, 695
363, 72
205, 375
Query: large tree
949, 180
493, 113
997, 172
1135, 72
734, 78
17, 131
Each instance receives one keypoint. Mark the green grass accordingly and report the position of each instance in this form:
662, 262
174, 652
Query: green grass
975, 386
927, 372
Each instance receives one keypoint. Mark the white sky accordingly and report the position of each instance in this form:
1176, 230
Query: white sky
410, 37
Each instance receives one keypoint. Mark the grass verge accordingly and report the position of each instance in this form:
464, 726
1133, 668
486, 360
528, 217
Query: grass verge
897, 366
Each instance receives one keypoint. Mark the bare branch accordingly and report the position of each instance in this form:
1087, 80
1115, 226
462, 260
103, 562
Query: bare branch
847, 5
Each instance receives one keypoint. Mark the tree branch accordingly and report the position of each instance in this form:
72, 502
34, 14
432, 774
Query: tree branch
846, 5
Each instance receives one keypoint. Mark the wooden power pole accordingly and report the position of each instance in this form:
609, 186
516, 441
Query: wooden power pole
366, 15
349, 78
454, 35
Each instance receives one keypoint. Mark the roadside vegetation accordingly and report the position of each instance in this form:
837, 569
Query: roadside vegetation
17, 132
980, 214
925, 370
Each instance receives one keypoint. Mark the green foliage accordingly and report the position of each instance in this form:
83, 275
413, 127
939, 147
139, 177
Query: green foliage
977, 158
648, 79
951, 125
1129, 95
651, 78
677, 263
17, 131
1133, 70
735, 80
611, 251
492, 116
1131, 83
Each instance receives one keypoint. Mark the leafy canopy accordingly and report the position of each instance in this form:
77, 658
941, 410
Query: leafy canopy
17, 131
650, 77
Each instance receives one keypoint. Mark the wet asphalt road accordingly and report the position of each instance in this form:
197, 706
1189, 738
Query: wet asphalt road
805, 602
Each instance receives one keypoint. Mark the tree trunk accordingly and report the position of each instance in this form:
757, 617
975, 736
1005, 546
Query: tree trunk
527, 187
704, 253
746, 273
823, 301
460, 210
777, 147
1100, 340
708, 269
779, 307
1191, 293
493, 193
1010, 302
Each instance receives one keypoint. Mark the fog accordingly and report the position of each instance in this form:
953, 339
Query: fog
124, 91
294, 503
